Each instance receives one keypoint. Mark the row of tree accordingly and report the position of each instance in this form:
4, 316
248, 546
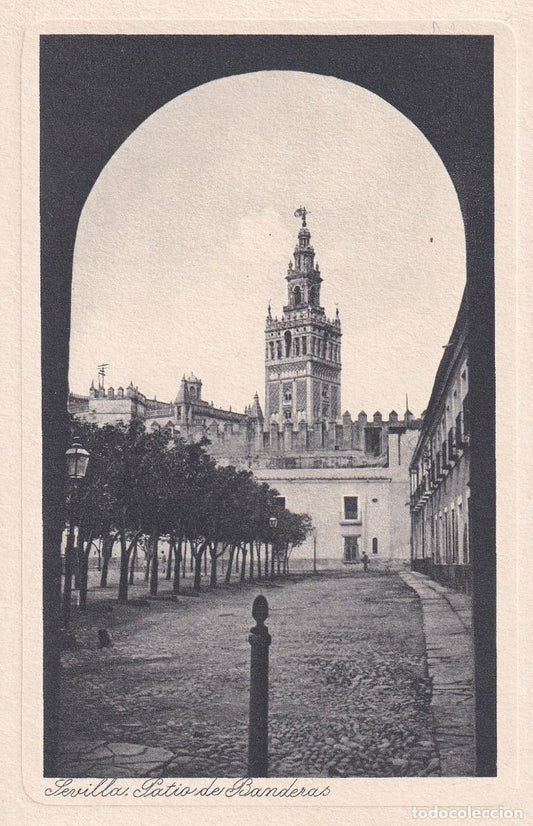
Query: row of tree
141, 486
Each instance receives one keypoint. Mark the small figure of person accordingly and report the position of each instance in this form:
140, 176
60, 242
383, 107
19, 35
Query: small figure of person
365, 561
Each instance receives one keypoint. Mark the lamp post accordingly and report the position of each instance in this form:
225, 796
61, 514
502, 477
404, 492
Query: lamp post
314, 550
273, 522
77, 461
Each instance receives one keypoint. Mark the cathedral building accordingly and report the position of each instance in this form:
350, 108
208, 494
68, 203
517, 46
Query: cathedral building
350, 474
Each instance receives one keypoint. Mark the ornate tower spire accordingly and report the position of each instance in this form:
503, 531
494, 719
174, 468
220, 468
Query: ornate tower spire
303, 353
303, 277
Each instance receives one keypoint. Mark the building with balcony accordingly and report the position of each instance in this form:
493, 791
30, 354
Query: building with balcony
440, 471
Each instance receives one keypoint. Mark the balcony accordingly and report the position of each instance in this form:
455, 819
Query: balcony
462, 438
446, 464
452, 447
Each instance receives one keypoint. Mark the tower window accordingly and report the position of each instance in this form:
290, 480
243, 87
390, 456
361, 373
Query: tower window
375, 545
271, 349
296, 346
287, 344
304, 345
279, 349
312, 295
297, 296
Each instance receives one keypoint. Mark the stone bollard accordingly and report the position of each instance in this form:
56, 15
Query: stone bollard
259, 639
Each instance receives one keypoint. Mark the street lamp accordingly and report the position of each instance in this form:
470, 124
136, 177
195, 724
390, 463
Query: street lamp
314, 550
77, 461
273, 522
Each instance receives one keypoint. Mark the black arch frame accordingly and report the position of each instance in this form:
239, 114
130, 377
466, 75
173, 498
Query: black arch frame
96, 89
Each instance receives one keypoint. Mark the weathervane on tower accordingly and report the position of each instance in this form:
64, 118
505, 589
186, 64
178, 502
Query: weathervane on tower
301, 212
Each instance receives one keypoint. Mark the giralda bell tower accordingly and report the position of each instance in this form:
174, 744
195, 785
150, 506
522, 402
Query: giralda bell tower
303, 349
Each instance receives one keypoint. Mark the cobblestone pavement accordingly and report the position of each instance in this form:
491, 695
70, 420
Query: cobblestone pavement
349, 688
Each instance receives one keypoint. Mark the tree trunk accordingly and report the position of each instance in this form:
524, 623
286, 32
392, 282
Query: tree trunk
107, 549
230, 564
266, 560
205, 563
237, 558
272, 560
148, 552
154, 568
251, 563
197, 570
124, 569
99, 552
258, 549
213, 555
133, 564
184, 563
279, 565
177, 567
244, 551
171, 555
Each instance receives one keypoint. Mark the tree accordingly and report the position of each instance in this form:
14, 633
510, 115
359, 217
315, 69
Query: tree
292, 529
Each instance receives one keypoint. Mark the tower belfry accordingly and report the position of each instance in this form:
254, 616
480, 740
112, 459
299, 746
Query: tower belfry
303, 348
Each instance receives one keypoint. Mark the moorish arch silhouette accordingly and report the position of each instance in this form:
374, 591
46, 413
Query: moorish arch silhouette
95, 90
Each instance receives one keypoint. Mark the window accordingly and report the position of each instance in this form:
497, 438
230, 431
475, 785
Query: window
297, 296
279, 349
304, 345
373, 440
375, 545
271, 349
287, 344
296, 346
350, 507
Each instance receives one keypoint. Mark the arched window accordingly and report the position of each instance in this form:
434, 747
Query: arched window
312, 295
375, 545
297, 296
287, 344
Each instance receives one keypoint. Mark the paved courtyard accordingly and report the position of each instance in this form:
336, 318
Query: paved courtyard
349, 687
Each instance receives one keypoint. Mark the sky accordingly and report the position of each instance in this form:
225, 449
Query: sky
187, 234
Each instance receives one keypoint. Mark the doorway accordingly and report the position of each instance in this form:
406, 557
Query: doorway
351, 549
